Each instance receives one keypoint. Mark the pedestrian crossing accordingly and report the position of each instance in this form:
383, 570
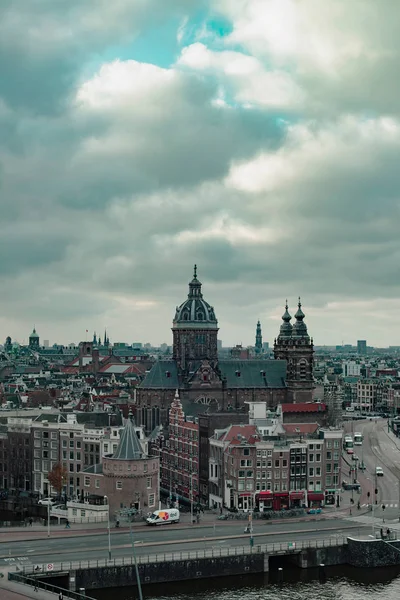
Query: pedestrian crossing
380, 505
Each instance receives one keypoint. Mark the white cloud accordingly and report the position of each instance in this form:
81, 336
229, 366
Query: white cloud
245, 76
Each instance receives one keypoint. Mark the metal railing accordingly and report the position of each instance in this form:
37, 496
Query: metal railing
48, 587
270, 549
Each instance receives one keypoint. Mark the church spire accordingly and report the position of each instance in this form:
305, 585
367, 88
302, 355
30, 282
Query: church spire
300, 328
286, 327
258, 345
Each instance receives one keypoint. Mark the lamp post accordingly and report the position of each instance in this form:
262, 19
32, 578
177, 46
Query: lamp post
108, 527
191, 498
373, 502
48, 519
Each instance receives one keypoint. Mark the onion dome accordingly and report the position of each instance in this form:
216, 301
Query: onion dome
195, 312
286, 328
300, 328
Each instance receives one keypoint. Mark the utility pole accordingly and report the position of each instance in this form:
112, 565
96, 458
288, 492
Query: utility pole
139, 585
48, 519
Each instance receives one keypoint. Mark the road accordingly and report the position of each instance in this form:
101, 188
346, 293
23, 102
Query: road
167, 539
378, 450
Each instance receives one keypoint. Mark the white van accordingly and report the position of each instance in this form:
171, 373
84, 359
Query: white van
163, 517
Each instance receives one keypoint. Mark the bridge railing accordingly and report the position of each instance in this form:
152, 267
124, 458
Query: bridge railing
215, 552
48, 587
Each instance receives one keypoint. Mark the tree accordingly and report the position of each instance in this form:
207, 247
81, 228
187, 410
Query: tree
58, 477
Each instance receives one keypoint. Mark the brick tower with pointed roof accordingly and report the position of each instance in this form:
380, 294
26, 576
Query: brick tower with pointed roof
129, 478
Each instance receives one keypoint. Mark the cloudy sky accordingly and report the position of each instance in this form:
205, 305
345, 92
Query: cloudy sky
257, 138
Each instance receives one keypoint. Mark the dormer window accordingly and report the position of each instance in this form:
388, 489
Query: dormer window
168, 374
237, 373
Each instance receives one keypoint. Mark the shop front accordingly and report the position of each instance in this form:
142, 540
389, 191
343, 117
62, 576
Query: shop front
296, 499
315, 499
264, 500
281, 501
245, 501
330, 497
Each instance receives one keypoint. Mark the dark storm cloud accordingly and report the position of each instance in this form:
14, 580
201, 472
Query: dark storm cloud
112, 184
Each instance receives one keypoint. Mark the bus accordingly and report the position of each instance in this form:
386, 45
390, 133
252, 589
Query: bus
348, 444
358, 439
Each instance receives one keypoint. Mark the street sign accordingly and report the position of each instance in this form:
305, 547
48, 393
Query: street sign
291, 545
38, 568
50, 567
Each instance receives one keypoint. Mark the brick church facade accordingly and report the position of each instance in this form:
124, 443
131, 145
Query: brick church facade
207, 384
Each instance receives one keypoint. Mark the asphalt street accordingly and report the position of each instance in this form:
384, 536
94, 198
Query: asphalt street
166, 539
378, 450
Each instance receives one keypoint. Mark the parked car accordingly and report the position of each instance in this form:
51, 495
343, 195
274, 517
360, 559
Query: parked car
314, 511
46, 501
379, 472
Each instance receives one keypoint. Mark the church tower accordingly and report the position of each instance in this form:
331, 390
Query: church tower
258, 345
34, 340
294, 345
194, 329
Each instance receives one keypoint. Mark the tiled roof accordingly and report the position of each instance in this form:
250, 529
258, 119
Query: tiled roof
300, 428
163, 374
129, 447
305, 407
237, 433
254, 373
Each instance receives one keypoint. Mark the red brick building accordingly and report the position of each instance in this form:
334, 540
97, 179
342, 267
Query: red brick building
180, 456
129, 478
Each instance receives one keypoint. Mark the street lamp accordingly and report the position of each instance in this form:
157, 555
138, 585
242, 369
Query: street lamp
372, 501
109, 531
48, 519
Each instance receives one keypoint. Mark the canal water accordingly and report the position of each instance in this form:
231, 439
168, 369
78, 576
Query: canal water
335, 583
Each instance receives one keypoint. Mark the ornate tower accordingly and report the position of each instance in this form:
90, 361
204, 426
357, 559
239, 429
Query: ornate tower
34, 340
258, 345
194, 329
294, 345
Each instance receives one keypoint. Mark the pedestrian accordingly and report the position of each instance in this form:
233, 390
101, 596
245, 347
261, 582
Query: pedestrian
30, 521
35, 589
67, 525
381, 533
388, 532
60, 596
220, 510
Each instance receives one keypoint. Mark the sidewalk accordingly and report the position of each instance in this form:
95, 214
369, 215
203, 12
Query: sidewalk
11, 590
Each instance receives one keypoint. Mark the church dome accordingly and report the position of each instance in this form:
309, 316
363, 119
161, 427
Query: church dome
195, 312
34, 334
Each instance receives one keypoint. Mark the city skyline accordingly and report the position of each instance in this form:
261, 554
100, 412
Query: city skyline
258, 139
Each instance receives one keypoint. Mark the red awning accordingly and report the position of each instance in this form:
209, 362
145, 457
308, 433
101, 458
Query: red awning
315, 496
264, 493
296, 495
281, 494
245, 495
